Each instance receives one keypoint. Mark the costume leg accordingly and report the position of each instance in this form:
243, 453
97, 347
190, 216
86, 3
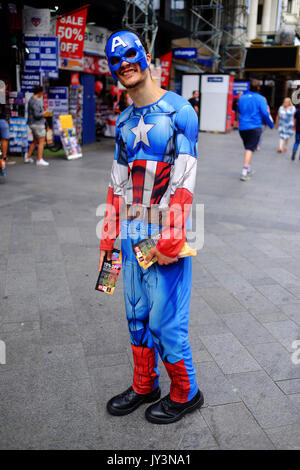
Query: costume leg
169, 291
145, 377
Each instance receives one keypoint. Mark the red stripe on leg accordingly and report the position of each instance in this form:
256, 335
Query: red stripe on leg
180, 384
144, 374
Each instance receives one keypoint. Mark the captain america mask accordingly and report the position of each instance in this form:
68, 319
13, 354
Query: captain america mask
124, 46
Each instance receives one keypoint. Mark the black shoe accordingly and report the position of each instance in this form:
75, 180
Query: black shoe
129, 401
168, 411
293, 155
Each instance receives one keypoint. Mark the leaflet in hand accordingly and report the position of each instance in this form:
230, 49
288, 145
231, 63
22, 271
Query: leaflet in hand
109, 273
142, 248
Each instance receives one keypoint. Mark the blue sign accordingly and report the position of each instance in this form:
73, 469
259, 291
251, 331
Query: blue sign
50, 74
185, 53
215, 79
208, 62
32, 63
43, 54
58, 93
240, 87
49, 53
29, 81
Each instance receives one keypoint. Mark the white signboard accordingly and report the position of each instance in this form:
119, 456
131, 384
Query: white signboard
190, 83
94, 40
213, 103
36, 21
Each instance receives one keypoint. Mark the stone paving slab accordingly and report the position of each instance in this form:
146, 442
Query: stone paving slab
289, 386
230, 354
293, 312
286, 332
246, 329
295, 399
68, 346
263, 397
285, 437
235, 428
215, 386
275, 360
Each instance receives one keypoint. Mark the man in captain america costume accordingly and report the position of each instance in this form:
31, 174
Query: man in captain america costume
154, 166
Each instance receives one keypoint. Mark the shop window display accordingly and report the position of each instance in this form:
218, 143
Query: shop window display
75, 108
18, 143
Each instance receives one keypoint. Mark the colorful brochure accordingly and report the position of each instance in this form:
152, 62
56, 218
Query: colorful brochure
109, 273
142, 248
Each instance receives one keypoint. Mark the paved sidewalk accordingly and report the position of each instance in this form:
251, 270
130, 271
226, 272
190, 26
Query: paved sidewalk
68, 347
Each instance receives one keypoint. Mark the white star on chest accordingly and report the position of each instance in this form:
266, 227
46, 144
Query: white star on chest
141, 131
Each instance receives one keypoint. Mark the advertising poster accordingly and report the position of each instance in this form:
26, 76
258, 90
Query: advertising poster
43, 56
240, 87
18, 135
36, 21
57, 104
68, 137
94, 40
29, 81
70, 29
94, 64
165, 63
71, 64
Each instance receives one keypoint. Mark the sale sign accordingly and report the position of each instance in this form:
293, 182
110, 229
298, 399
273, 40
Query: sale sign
165, 63
97, 65
70, 28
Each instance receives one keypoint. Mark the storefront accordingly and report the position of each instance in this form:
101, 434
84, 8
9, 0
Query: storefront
66, 56
277, 67
97, 72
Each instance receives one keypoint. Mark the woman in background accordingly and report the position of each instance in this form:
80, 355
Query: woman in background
285, 123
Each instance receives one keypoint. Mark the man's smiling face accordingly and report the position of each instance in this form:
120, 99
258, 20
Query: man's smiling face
127, 58
131, 75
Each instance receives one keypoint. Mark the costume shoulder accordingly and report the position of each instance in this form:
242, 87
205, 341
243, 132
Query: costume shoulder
174, 102
124, 115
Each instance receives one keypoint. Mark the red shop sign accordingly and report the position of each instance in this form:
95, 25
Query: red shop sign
95, 64
165, 63
75, 79
70, 28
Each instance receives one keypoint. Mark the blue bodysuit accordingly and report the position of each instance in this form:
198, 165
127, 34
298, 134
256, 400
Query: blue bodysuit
155, 166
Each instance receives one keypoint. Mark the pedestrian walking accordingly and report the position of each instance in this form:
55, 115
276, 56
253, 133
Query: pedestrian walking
297, 135
4, 131
253, 111
195, 101
36, 123
154, 168
285, 123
